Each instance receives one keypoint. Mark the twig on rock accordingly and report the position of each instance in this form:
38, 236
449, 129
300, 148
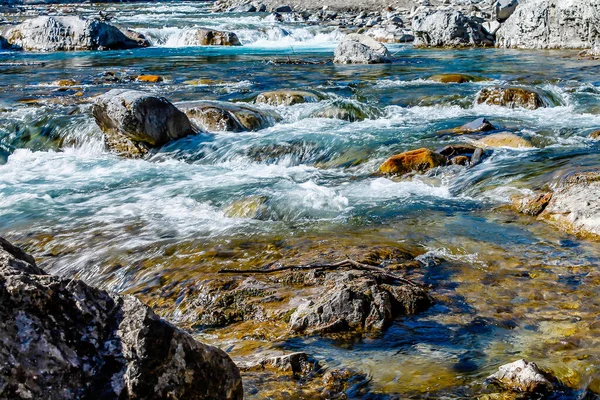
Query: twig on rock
348, 263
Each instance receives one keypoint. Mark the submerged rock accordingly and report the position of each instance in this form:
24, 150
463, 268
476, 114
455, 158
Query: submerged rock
552, 24
420, 160
361, 49
452, 78
346, 110
575, 205
447, 28
254, 207
503, 139
135, 121
511, 98
287, 97
62, 339
218, 116
68, 34
356, 301
521, 376
210, 37
297, 363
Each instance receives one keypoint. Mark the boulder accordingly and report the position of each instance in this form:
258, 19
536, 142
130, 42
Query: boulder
62, 339
287, 97
135, 121
357, 301
575, 205
503, 139
595, 135
209, 37
503, 9
420, 160
511, 97
447, 28
68, 34
552, 24
218, 116
521, 376
361, 49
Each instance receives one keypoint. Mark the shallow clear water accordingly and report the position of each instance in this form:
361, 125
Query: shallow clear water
513, 287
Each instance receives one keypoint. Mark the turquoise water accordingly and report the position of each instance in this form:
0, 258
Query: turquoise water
81, 210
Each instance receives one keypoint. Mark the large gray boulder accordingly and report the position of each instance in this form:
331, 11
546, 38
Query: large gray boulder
135, 121
552, 24
62, 339
361, 49
447, 28
68, 34
575, 205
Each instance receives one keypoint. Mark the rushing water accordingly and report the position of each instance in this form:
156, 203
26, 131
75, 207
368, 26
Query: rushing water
513, 287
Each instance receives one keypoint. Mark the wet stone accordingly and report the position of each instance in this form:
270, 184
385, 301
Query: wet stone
521, 376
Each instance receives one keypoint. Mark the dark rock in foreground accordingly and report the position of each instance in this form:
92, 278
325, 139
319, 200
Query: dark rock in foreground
68, 34
135, 121
62, 339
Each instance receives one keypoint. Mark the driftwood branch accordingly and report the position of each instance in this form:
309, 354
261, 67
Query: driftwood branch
348, 263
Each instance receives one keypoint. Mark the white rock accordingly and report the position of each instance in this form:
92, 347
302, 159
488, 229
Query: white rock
552, 24
361, 49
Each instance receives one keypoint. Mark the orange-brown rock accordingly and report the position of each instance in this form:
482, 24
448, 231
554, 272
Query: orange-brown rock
595, 135
419, 160
149, 78
460, 160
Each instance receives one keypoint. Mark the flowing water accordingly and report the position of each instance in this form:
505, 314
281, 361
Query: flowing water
510, 287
